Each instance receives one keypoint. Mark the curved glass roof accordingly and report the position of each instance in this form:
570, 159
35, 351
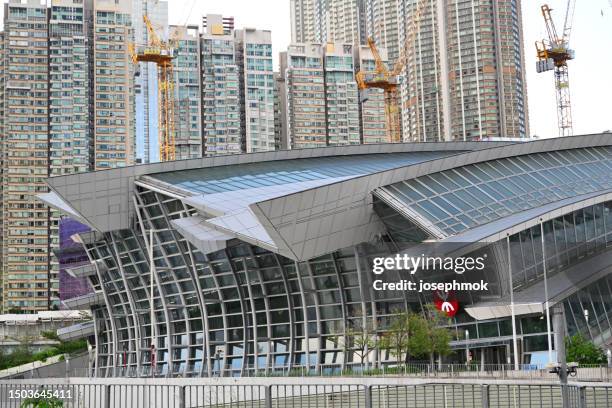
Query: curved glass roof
465, 197
253, 175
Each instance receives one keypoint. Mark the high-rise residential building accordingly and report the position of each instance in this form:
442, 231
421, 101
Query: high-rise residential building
218, 24
302, 69
254, 60
345, 21
465, 76
280, 112
372, 120
220, 89
319, 95
66, 106
383, 23
2, 150
113, 99
323, 21
145, 83
188, 102
341, 95
307, 21
69, 113
29, 270
487, 78
237, 88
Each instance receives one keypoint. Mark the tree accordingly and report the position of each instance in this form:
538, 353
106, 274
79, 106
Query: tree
359, 338
419, 341
406, 336
440, 336
363, 342
417, 335
42, 402
580, 350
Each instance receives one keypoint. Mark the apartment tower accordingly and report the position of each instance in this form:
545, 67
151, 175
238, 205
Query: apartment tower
465, 77
187, 92
318, 96
220, 88
323, 21
341, 95
66, 106
304, 81
254, 60
464, 73
28, 268
113, 99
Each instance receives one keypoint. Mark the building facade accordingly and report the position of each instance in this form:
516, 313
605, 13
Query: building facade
465, 71
254, 60
304, 88
322, 21
318, 96
187, 92
464, 75
69, 61
222, 130
113, 80
29, 269
307, 21
341, 95
261, 262
384, 23
67, 107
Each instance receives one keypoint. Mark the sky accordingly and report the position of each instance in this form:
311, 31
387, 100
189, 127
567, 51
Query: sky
590, 73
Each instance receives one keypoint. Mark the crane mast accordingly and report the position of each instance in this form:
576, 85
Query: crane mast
387, 80
553, 54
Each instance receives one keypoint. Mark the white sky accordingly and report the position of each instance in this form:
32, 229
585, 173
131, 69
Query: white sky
590, 72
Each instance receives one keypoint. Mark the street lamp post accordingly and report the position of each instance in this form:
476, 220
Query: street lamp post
467, 348
512, 312
546, 304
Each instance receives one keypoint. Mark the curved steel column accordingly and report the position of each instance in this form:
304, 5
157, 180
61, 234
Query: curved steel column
291, 307
243, 312
343, 305
315, 296
204, 316
266, 300
157, 283
128, 293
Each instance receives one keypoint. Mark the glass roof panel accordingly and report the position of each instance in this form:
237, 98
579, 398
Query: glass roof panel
251, 175
506, 186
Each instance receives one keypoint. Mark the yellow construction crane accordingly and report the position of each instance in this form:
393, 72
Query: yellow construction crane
161, 53
553, 54
387, 80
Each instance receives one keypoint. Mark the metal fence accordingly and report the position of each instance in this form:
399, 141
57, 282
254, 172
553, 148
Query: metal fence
191, 393
418, 370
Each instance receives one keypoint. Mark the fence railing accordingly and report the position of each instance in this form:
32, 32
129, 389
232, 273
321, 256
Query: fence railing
334, 393
486, 371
